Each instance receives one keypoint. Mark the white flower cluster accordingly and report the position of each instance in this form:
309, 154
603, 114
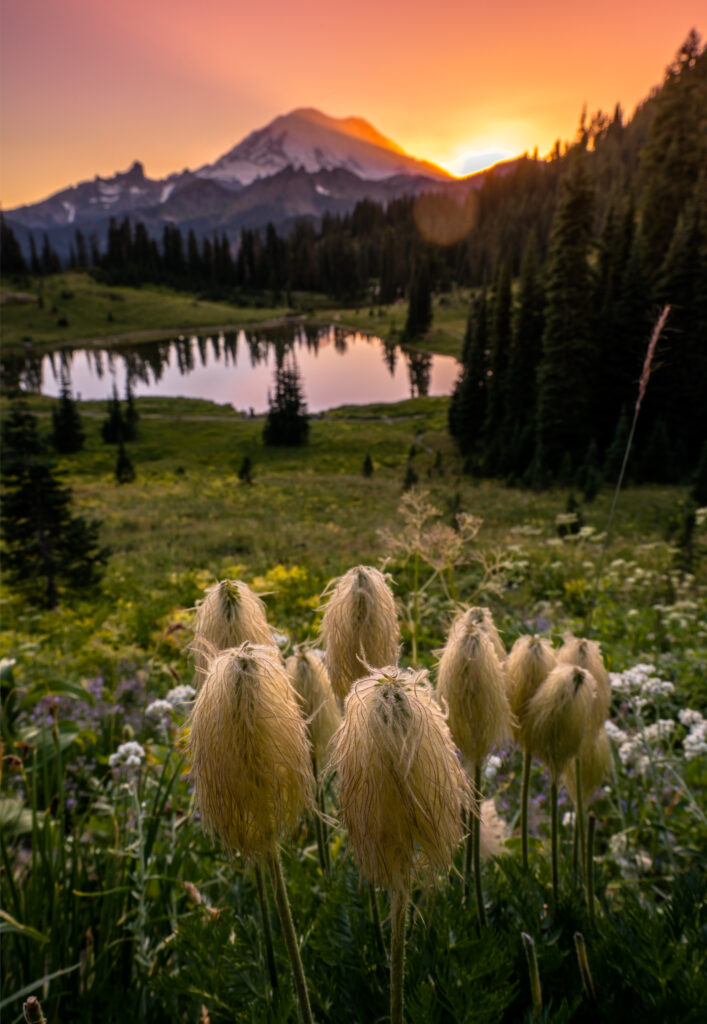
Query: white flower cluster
641, 683
159, 709
491, 767
128, 755
632, 863
695, 743
180, 695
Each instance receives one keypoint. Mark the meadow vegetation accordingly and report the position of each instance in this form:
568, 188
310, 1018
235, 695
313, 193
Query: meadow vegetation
116, 904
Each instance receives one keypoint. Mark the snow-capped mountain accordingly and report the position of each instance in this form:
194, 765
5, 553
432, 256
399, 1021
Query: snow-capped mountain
303, 164
309, 140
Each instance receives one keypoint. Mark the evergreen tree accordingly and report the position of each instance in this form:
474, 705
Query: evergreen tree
419, 315
467, 410
245, 473
699, 486
613, 460
368, 466
124, 469
67, 430
12, 262
113, 429
44, 544
589, 477
500, 339
567, 373
287, 422
131, 415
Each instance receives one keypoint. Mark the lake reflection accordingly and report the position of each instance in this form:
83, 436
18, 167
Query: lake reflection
337, 367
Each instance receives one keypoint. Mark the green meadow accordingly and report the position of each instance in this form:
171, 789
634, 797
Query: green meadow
115, 902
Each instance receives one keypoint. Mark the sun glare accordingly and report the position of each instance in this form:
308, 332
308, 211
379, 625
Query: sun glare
468, 161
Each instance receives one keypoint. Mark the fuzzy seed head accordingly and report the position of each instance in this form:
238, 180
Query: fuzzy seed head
402, 787
251, 760
311, 681
559, 716
482, 617
595, 759
229, 615
587, 654
527, 666
359, 628
472, 684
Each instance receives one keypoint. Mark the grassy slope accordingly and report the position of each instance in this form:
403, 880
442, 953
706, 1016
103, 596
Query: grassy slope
187, 519
95, 311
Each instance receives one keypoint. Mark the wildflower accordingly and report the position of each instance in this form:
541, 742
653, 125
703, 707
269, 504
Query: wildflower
472, 684
183, 694
311, 681
595, 760
558, 716
229, 615
128, 755
527, 666
159, 709
587, 654
359, 628
402, 787
250, 754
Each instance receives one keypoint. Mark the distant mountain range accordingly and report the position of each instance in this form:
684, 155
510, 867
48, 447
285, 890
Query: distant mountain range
302, 164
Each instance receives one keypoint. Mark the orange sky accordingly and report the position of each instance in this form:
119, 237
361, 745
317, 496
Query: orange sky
87, 86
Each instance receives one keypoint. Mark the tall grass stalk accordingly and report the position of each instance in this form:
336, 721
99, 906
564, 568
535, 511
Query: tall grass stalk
579, 820
288, 929
476, 825
533, 973
590, 867
267, 930
584, 969
643, 383
398, 910
554, 840
525, 792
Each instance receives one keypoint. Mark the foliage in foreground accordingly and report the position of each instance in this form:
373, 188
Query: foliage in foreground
147, 919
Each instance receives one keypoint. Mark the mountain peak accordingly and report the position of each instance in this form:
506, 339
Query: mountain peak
308, 138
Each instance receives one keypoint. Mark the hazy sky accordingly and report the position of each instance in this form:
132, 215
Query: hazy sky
87, 86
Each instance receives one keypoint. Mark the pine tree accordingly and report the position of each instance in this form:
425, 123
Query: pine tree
500, 338
113, 429
567, 372
44, 544
124, 469
368, 466
287, 422
467, 409
131, 415
613, 460
419, 316
67, 430
12, 262
245, 473
699, 486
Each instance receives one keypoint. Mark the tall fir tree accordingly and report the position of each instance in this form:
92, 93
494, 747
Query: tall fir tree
467, 409
67, 429
45, 546
287, 422
567, 375
113, 428
499, 353
419, 317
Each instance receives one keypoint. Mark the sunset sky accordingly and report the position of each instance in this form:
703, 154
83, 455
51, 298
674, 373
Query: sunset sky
87, 87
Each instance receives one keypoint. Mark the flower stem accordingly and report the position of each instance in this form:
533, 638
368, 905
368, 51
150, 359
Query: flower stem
285, 914
590, 867
554, 841
267, 930
375, 917
533, 973
398, 911
579, 817
583, 961
468, 855
525, 792
477, 847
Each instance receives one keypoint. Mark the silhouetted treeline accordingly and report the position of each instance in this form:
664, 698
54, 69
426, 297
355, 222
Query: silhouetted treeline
551, 367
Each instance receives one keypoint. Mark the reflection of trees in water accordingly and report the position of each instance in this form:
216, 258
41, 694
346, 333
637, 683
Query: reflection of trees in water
185, 355
340, 340
419, 369
202, 342
390, 356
